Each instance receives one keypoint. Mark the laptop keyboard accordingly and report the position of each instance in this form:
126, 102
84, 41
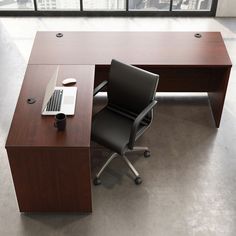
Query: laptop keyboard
54, 103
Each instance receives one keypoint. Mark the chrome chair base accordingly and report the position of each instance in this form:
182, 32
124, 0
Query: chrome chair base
137, 180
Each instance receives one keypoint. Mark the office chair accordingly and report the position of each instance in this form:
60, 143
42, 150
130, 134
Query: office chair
128, 113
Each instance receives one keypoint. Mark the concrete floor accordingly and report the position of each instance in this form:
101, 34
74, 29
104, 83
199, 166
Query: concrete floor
189, 183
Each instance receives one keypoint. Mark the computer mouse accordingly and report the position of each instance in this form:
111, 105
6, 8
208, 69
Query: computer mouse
69, 81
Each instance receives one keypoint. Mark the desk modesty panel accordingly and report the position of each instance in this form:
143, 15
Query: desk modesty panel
51, 169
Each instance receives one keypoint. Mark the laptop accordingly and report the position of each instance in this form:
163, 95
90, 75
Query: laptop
58, 99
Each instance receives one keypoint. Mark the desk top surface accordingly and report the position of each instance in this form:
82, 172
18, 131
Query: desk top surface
30, 129
137, 48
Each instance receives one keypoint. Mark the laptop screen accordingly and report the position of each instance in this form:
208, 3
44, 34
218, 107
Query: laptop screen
50, 88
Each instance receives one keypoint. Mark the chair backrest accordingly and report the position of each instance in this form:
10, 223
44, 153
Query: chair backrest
130, 88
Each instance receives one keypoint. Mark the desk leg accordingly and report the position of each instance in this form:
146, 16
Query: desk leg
217, 96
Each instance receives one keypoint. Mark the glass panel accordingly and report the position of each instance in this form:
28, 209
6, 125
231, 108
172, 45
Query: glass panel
16, 5
104, 5
191, 5
149, 5
58, 5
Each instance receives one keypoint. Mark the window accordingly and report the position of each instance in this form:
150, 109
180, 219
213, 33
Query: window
149, 5
109, 7
103, 5
58, 5
16, 5
191, 5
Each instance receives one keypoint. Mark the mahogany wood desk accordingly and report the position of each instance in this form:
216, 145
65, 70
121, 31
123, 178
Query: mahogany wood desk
51, 171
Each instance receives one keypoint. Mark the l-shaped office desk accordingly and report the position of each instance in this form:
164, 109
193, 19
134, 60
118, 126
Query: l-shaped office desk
50, 169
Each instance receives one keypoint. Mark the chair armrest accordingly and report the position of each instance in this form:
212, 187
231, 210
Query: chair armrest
137, 121
99, 87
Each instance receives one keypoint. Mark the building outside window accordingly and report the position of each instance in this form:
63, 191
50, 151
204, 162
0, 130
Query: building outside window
191, 5
58, 5
104, 5
16, 5
149, 5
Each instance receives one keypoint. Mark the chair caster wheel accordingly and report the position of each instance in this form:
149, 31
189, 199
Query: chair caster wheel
97, 181
138, 180
147, 153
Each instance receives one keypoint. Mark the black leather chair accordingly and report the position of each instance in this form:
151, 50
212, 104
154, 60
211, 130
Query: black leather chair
128, 113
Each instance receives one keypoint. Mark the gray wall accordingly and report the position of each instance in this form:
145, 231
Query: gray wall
226, 8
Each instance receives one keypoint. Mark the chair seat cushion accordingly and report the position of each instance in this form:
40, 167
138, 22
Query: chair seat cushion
111, 130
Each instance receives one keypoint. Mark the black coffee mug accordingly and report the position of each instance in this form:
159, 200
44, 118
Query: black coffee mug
60, 121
